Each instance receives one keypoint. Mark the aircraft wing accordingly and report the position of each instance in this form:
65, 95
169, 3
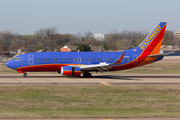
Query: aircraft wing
102, 66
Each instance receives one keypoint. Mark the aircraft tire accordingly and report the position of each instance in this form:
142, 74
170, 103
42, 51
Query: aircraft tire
24, 75
87, 75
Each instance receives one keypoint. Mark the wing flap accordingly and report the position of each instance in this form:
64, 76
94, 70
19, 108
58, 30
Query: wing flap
92, 67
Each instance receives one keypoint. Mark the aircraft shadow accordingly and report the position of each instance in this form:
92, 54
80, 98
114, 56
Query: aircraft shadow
132, 77
117, 77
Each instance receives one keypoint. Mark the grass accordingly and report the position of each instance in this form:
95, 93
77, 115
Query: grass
89, 101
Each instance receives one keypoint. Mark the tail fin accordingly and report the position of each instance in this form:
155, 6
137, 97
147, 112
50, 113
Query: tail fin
153, 41
100, 50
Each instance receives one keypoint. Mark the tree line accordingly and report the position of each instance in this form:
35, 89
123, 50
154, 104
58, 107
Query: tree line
49, 39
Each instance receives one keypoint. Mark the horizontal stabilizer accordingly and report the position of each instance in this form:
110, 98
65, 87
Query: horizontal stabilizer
156, 55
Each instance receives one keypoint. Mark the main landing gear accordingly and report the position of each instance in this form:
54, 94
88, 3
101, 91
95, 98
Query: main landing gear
87, 75
25, 75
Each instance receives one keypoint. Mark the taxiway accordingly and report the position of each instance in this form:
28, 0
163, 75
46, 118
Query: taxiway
110, 78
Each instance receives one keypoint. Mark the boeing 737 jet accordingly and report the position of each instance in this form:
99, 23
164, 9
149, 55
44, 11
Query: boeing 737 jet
77, 63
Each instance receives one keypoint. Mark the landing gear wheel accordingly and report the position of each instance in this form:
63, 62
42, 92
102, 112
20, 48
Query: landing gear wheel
84, 74
87, 75
25, 75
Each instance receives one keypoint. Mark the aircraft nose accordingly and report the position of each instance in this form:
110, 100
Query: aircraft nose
7, 64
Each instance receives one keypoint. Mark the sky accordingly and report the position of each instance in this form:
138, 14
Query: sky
79, 16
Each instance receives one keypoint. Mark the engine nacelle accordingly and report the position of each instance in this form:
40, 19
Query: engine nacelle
71, 71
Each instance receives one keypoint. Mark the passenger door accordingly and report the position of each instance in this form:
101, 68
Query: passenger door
30, 59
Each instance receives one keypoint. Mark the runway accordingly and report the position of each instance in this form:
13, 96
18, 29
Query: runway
107, 79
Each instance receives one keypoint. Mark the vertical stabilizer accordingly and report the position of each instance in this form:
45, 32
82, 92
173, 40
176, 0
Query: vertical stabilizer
153, 41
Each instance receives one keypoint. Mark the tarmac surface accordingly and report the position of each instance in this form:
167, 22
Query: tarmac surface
108, 78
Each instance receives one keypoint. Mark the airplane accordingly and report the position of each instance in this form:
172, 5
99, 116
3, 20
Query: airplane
77, 63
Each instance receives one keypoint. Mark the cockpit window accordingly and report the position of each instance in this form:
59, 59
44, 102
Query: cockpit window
17, 58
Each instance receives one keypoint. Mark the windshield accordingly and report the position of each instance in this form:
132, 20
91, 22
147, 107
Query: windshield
17, 58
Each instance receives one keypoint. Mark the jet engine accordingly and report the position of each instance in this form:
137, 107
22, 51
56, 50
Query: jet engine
70, 71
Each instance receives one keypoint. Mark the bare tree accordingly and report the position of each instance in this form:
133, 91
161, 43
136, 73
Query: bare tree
88, 34
168, 37
91, 41
111, 40
16, 44
176, 42
124, 40
84, 36
46, 37
46, 32
75, 42
5, 39
124, 44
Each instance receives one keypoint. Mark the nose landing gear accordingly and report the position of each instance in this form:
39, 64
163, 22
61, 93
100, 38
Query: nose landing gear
25, 75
